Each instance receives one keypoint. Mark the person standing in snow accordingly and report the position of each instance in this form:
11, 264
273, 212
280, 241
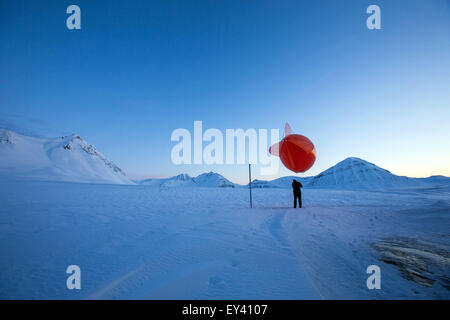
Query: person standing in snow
296, 185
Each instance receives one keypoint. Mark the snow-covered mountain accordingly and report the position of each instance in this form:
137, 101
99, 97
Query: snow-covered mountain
351, 173
209, 180
212, 179
357, 173
354, 173
68, 158
181, 180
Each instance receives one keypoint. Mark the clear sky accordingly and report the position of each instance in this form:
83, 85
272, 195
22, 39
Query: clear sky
137, 70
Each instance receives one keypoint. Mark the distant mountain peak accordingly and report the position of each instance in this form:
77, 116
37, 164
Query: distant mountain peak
352, 173
354, 161
74, 141
356, 172
182, 177
209, 173
66, 158
213, 179
209, 179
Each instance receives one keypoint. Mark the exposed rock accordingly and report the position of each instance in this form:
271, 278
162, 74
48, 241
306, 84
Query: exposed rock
423, 263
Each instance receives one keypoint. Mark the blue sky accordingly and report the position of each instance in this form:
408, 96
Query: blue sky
137, 70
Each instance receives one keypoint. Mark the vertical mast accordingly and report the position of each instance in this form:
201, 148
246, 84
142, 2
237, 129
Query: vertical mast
250, 183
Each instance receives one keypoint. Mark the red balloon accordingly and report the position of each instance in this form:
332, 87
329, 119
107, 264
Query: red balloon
296, 152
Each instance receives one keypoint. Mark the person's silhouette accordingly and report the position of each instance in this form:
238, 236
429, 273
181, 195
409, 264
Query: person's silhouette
296, 185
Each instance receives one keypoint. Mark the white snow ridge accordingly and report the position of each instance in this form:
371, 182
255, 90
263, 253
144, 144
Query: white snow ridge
357, 173
68, 158
72, 159
208, 180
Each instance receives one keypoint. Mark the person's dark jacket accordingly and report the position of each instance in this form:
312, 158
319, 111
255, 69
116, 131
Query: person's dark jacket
296, 185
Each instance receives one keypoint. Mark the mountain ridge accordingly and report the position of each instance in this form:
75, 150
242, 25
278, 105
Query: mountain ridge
209, 179
350, 173
65, 158
72, 159
355, 173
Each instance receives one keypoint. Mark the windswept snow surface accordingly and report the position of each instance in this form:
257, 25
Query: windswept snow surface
68, 158
146, 242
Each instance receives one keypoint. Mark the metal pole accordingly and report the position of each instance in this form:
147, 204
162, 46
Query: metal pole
250, 183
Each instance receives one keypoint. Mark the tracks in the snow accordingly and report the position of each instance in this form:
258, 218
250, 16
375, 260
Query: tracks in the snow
277, 231
217, 260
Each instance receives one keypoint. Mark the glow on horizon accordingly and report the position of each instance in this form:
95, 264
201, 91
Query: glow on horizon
125, 84
410, 170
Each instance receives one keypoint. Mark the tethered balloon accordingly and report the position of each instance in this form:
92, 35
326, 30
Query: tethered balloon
296, 152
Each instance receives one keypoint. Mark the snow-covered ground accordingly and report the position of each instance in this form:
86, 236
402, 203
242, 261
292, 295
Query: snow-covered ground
146, 242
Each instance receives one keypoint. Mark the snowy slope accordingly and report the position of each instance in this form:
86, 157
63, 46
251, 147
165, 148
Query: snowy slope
358, 173
68, 158
437, 180
351, 173
181, 180
212, 179
355, 173
207, 180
